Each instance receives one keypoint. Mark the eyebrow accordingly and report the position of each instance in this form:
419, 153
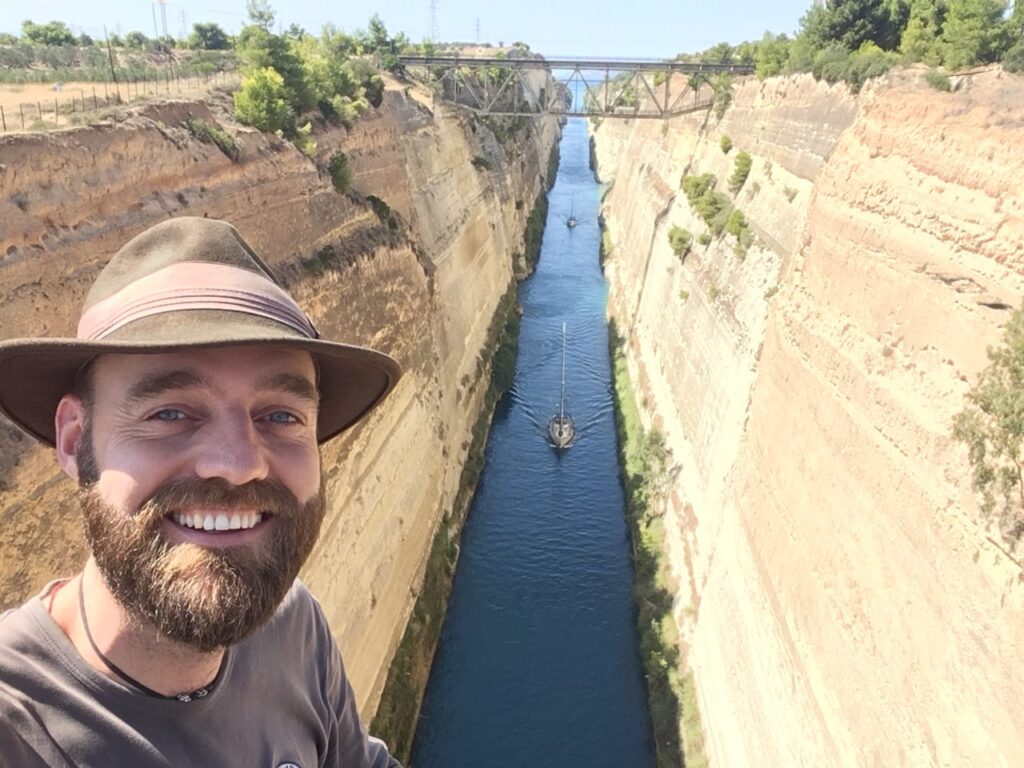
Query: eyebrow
158, 383
292, 384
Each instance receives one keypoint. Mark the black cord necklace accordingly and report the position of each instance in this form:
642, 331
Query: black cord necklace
183, 697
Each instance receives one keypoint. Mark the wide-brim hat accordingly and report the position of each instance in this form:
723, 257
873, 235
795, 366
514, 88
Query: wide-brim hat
188, 283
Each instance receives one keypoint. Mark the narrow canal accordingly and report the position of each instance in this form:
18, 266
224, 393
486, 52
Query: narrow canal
538, 662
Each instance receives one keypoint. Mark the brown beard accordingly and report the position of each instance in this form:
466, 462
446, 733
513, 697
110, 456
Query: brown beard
203, 598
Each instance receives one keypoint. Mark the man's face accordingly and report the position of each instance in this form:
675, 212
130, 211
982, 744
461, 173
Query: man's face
200, 484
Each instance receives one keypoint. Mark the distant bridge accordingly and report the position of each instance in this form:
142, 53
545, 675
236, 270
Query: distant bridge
615, 88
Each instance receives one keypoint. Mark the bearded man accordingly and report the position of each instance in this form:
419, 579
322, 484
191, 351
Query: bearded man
189, 410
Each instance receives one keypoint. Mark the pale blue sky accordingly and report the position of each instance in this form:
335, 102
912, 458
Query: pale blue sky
644, 28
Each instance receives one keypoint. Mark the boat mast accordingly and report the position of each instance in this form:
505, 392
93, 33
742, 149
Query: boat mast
561, 394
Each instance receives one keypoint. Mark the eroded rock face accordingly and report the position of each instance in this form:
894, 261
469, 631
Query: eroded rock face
840, 597
424, 292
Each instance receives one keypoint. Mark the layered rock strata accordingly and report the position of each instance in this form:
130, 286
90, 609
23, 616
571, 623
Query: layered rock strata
840, 596
419, 277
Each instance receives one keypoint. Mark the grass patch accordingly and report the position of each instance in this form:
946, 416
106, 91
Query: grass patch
938, 81
213, 134
643, 459
400, 703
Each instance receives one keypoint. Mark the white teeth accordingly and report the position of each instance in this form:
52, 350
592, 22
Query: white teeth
219, 522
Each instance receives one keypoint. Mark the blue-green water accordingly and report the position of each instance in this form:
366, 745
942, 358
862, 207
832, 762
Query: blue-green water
538, 662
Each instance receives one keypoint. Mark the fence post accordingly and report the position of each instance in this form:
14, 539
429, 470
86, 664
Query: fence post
94, 104
56, 113
3, 119
39, 106
21, 107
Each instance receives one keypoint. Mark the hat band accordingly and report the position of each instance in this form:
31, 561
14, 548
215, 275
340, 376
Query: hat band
194, 285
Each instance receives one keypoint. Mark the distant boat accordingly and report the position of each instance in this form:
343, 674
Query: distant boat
561, 428
571, 221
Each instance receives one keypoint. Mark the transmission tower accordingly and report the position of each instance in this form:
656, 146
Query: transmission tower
478, 30
433, 20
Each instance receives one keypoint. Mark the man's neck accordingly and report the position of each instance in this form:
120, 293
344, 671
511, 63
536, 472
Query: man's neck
164, 666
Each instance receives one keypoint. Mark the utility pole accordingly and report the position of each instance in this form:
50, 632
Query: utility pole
184, 26
163, 15
478, 30
156, 32
433, 21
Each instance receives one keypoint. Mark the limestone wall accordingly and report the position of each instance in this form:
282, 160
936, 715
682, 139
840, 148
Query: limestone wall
840, 600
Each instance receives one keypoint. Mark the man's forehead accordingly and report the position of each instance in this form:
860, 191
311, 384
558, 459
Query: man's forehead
254, 364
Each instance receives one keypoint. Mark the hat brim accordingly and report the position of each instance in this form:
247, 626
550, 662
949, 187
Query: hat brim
37, 373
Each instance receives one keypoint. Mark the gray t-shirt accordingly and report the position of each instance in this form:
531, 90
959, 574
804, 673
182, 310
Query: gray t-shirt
281, 699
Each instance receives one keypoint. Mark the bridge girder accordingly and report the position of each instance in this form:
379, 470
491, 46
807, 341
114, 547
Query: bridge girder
483, 85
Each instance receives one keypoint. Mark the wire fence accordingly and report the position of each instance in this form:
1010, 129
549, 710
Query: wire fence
77, 103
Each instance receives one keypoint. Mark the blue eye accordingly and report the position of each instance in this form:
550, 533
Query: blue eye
169, 414
282, 417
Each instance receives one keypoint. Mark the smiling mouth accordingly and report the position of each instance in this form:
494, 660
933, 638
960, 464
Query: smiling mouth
218, 521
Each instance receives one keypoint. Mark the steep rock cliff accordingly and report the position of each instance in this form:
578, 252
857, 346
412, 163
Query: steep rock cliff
841, 601
421, 284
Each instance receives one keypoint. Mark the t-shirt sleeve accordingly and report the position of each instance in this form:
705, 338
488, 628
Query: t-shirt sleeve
348, 745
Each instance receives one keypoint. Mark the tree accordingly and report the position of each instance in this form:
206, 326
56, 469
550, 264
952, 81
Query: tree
85, 41
263, 102
135, 40
259, 49
851, 23
992, 426
771, 55
974, 32
377, 35
208, 37
260, 13
51, 33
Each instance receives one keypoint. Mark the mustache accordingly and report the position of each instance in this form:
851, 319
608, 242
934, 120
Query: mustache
266, 496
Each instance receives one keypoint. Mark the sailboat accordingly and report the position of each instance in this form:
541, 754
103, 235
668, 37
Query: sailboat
561, 428
571, 221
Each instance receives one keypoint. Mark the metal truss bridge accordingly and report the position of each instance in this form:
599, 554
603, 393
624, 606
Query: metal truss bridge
568, 87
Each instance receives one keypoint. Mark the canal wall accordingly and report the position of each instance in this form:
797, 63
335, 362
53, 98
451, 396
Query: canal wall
415, 261
839, 597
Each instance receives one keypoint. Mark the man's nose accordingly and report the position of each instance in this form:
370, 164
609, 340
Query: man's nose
232, 450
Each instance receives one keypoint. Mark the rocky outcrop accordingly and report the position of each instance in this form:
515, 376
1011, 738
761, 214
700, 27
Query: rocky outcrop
419, 276
840, 597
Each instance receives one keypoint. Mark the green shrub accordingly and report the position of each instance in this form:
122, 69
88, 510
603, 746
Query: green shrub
1013, 59
213, 134
725, 144
789, 192
723, 94
341, 173
736, 223
714, 291
383, 211
938, 80
705, 238
263, 103
680, 240
481, 163
684, 295
741, 169
992, 427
